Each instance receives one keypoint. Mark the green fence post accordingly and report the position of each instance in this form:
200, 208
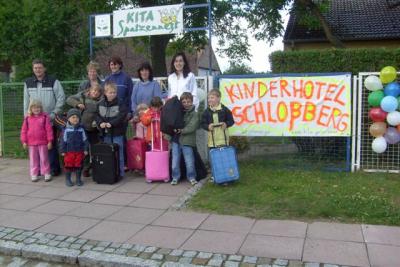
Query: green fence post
1, 122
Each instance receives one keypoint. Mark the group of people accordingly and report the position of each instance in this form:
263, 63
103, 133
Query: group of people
101, 112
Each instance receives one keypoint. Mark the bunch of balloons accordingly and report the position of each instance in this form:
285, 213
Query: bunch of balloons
385, 100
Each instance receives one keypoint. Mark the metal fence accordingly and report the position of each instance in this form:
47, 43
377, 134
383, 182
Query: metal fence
11, 114
363, 157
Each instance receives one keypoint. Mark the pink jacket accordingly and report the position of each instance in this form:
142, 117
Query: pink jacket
37, 130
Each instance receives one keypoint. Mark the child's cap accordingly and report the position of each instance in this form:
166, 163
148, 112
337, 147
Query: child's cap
72, 112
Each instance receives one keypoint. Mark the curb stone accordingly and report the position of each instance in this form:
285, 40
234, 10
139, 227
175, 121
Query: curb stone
90, 258
50, 254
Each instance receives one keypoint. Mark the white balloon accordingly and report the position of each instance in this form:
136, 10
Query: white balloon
201, 94
373, 83
379, 145
393, 118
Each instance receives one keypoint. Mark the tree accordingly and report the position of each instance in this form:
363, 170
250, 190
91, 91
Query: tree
238, 68
55, 31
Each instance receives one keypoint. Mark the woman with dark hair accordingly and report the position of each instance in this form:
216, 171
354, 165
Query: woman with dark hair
182, 79
122, 80
146, 88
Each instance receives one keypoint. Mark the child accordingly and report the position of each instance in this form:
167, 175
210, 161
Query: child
216, 119
73, 147
37, 136
87, 102
140, 129
110, 118
184, 140
152, 116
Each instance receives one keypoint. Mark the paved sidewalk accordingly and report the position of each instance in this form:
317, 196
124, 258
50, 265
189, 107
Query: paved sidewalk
133, 212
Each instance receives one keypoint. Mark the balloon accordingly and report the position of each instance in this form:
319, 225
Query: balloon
377, 114
393, 118
379, 145
389, 103
375, 98
388, 74
373, 83
392, 136
377, 129
392, 89
201, 95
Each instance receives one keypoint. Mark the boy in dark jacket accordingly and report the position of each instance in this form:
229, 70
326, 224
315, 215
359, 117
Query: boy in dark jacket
216, 119
110, 119
87, 102
73, 146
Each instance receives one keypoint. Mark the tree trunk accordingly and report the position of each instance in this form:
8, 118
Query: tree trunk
158, 46
332, 38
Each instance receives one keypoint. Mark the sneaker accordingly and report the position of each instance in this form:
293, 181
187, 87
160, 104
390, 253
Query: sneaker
47, 177
68, 182
174, 182
211, 180
34, 178
79, 182
193, 182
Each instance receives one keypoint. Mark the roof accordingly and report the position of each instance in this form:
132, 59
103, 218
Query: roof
352, 20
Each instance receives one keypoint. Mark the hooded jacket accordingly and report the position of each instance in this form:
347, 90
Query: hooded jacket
37, 130
73, 139
215, 115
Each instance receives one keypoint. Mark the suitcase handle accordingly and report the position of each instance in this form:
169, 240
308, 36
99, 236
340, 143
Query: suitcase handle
152, 136
212, 136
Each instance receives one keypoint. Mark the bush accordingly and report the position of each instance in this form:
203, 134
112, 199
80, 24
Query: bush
241, 143
334, 60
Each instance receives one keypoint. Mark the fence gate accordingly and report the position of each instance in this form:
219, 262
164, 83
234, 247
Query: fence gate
363, 157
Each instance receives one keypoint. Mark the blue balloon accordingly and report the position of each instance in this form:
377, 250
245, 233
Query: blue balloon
389, 103
392, 89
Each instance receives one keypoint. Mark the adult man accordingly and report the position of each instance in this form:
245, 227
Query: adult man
50, 92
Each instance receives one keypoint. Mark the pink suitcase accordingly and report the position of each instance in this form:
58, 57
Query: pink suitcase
157, 163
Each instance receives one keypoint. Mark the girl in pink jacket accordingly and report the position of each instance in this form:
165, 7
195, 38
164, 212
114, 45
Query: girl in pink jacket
37, 136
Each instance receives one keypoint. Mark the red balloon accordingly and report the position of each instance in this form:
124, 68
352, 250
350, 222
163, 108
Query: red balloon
377, 114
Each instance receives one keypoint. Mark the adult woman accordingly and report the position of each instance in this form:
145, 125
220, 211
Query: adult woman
181, 79
93, 69
122, 80
146, 88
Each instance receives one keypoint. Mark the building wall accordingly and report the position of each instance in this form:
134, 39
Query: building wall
348, 44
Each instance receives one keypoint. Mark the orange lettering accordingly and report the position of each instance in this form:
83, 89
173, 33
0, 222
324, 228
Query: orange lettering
298, 89
259, 112
283, 84
294, 113
249, 93
322, 115
231, 94
341, 90
272, 87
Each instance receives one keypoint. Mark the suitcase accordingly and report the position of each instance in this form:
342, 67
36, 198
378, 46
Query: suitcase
224, 166
157, 163
105, 163
135, 153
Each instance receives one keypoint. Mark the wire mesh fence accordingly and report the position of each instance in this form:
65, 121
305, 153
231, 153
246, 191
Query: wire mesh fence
302, 153
368, 160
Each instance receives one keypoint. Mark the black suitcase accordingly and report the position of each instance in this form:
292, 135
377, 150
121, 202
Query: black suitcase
105, 163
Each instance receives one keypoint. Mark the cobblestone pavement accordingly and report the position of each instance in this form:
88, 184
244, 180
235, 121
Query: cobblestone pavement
133, 223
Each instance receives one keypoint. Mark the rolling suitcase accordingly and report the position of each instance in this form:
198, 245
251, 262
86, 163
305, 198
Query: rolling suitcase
157, 162
135, 153
105, 163
224, 166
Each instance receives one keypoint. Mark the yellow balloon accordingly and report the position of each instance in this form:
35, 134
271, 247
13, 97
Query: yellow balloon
377, 129
388, 74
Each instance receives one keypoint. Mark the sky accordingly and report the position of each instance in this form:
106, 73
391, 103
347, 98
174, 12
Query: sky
259, 51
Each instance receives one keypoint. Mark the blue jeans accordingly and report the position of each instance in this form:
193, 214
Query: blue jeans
119, 140
188, 156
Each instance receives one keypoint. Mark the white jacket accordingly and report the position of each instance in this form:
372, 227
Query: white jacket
178, 86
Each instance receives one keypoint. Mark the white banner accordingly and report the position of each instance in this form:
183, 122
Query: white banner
102, 24
289, 105
148, 21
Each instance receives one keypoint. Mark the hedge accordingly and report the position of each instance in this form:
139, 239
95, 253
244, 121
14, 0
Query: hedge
334, 60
